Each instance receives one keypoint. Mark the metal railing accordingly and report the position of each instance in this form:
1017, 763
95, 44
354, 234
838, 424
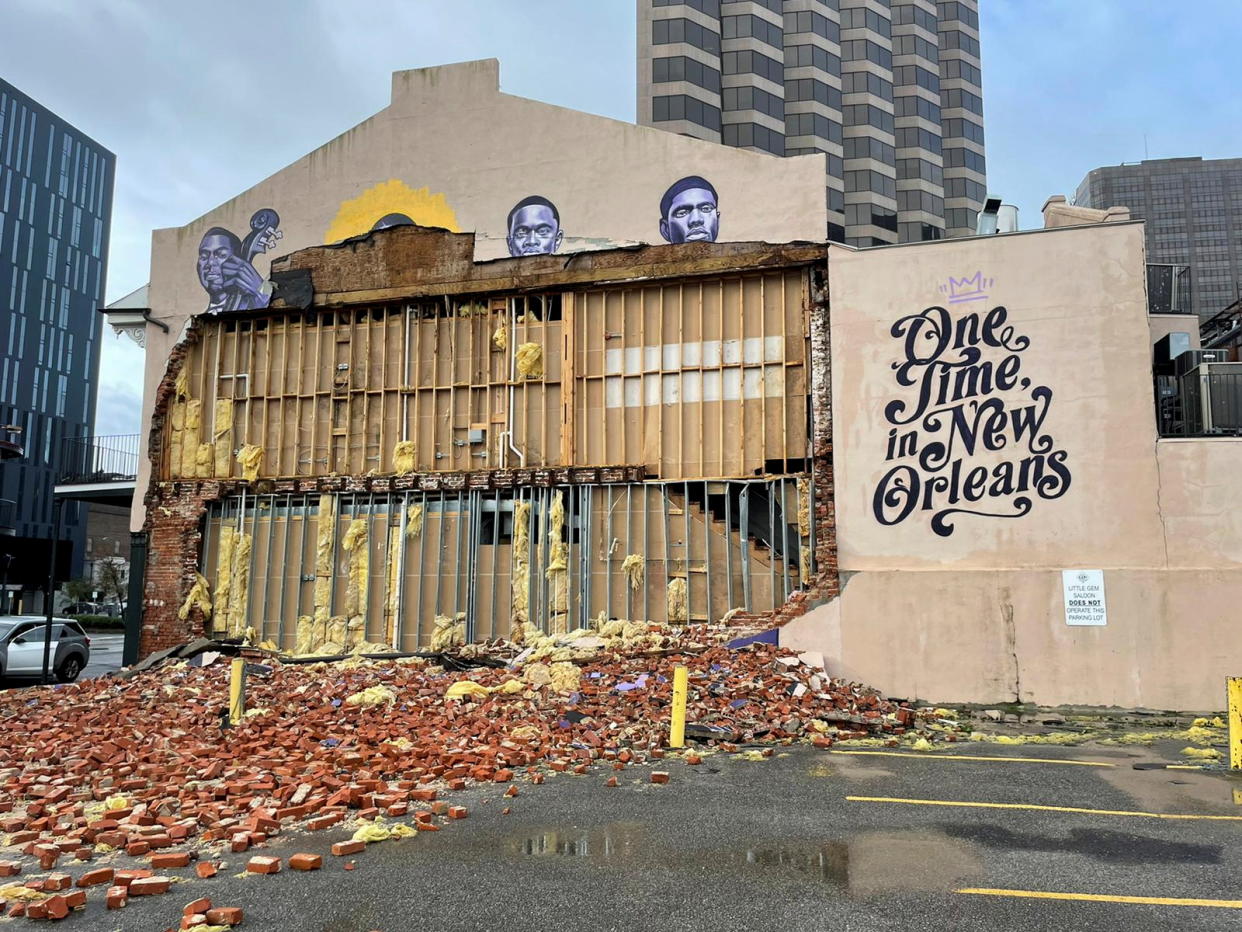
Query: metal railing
99, 459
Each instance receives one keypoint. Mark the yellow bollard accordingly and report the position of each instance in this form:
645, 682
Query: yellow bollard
1234, 688
677, 730
237, 691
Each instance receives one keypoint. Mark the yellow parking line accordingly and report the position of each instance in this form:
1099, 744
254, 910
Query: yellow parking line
1031, 806
1023, 760
1105, 898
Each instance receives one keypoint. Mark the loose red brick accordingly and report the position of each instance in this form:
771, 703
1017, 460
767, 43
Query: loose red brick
306, 862
96, 877
56, 907
201, 905
458, 812
54, 882
342, 848
659, 776
10, 868
225, 916
149, 886
263, 865
117, 897
192, 920
206, 869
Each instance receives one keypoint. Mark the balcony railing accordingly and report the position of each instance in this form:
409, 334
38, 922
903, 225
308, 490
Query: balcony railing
99, 459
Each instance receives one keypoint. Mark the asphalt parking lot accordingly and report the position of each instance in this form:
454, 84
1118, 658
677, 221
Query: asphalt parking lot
973, 837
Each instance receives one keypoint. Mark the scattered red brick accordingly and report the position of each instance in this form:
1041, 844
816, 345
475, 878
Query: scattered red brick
458, 812
306, 862
96, 877
117, 897
149, 886
263, 865
342, 848
224, 916
612, 781
201, 905
206, 869
659, 776
167, 859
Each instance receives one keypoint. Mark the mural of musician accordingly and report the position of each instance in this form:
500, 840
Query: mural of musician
225, 264
690, 211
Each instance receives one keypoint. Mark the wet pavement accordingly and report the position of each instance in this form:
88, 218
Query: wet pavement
808, 839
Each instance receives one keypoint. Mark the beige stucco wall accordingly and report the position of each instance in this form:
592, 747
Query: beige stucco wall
452, 150
978, 615
1161, 325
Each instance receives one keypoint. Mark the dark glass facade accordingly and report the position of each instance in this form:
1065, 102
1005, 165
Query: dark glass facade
1193, 213
55, 213
889, 90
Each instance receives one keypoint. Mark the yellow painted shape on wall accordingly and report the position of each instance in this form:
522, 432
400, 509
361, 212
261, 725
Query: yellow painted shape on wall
357, 215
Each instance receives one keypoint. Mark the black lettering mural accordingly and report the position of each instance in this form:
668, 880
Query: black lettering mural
968, 398
534, 227
226, 264
690, 211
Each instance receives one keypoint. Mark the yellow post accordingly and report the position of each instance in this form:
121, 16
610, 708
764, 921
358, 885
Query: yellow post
677, 730
237, 691
1234, 686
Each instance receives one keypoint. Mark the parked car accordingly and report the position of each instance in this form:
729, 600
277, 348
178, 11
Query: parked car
21, 647
82, 608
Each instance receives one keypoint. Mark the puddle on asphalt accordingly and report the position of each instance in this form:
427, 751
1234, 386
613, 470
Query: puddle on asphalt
1155, 789
864, 865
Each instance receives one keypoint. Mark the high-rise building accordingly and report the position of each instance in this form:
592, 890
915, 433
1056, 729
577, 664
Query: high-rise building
1193, 209
890, 92
55, 211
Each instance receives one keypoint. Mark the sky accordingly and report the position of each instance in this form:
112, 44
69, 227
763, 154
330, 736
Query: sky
200, 102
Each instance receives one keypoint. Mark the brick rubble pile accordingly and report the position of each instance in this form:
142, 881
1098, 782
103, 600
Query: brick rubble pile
144, 766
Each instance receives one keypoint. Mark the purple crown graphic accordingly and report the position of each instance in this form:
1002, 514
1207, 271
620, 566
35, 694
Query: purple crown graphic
974, 288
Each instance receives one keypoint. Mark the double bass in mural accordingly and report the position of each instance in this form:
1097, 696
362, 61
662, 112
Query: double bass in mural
226, 264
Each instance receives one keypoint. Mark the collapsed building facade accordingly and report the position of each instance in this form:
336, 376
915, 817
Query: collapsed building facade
408, 442
418, 402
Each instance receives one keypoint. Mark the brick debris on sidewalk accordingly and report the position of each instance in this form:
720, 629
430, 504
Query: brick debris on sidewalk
140, 773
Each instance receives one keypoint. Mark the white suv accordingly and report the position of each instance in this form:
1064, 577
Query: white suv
21, 647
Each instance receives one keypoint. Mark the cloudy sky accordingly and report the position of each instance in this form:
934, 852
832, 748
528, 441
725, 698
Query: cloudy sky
200, 101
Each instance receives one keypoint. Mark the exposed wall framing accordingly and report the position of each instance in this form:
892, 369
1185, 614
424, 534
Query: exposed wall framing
732, 543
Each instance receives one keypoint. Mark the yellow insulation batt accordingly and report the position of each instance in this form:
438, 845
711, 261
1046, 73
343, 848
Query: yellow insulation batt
240, 592
413, 522
199, 597
336, 633
205, 461
521, 570
181, 384
176, 439
804, 507
565, 677
392, 602
558, 566
325, 534
449, 632
467, 689
305, 642
224, 575
403, 457
500, 337
222, 438
250, 458
356, 544
355, 632
634, 566
191, 434
678, 611
530, 361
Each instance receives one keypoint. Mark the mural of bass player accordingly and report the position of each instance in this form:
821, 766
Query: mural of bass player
534, 227
226, 264
690, 211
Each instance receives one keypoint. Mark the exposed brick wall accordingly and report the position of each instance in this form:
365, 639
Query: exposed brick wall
175, 513
826, 583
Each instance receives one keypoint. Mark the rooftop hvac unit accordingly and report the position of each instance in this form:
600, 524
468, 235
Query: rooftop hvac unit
1189, 359
1212, 398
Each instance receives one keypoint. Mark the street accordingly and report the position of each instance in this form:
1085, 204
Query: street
808, 839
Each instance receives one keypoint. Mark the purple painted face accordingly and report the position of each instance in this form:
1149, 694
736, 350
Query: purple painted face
534, 231
213, 252
692, 218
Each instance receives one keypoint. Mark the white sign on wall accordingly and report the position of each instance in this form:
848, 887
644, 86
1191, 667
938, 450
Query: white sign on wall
1084, 597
